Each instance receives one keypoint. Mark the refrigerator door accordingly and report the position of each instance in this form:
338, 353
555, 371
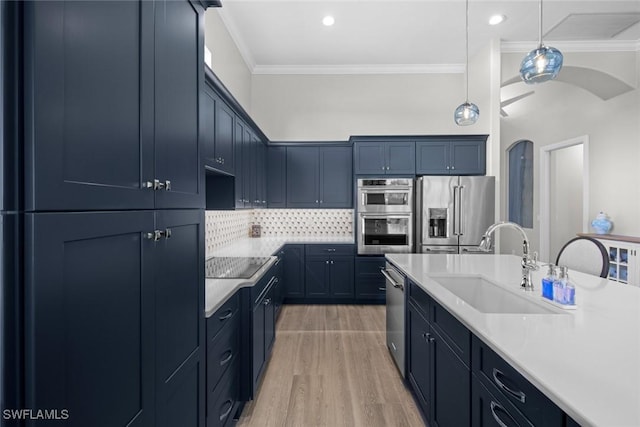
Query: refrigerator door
476, 199
436, 207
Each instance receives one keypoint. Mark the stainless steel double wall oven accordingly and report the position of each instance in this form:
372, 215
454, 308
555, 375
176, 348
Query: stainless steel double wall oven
385, 215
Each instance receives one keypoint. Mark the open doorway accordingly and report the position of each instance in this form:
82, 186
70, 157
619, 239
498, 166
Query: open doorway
564, 194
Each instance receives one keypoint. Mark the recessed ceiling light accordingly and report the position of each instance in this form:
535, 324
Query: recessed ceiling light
496, 19
328, 20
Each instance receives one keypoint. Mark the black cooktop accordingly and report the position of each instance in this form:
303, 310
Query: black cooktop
233, 267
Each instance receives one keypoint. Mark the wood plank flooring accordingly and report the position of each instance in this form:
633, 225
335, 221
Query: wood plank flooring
330, 367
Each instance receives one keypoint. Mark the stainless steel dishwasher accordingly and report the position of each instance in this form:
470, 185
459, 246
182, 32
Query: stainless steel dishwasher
395, 314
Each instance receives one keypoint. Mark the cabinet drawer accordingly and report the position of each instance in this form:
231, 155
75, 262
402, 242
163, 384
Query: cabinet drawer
222, 401
489, 408
324, 250
370, 266
495, 371
455, 333
222, 352
222, 316
419, 298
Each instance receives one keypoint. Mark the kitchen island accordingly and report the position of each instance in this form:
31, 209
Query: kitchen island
586, 361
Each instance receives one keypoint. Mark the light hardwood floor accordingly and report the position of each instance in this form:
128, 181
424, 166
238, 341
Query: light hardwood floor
330, 367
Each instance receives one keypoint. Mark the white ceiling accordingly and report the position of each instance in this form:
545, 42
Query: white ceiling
277, 35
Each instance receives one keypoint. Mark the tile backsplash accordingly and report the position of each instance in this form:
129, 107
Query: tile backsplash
225, 227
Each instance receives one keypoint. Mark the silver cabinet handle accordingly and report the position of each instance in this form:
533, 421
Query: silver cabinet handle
227, 315
517, 394
453, 167
147, 184
321, 202
383, 168
387, 167
157, 185
156, 235
331, 261
331, 250
494, 406
267, 301
460, 209
382, 289
316, 201
326, 262
226, 359
447, 167
228, 411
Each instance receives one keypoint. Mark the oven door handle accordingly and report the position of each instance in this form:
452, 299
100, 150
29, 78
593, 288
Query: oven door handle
390, 279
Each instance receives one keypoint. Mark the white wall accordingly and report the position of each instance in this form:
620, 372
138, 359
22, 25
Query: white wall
560, 111
228, 63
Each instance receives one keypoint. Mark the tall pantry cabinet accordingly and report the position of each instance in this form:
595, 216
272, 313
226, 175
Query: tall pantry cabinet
108, 189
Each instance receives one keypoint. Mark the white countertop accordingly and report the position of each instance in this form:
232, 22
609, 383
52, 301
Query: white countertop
587, 360
218, 291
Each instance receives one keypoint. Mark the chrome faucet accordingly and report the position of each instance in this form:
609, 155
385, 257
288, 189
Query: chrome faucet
529, 261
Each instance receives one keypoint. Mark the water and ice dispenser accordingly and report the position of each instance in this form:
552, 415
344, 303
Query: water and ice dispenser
438, 222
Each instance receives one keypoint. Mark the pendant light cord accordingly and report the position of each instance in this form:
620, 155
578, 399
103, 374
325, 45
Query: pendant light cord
466, 69
540, 24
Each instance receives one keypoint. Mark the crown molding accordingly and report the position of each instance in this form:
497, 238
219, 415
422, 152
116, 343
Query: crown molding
360, 69
575, 46
232, 28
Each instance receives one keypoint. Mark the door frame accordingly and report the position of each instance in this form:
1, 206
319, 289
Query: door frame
545, 188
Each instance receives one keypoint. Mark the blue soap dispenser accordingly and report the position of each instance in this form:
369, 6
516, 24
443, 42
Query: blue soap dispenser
559, 285
547, 282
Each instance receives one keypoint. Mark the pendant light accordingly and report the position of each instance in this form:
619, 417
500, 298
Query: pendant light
468, 112
541, 64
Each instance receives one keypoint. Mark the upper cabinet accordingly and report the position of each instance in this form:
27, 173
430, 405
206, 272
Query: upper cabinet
385, 158
277, 177
319, 177
118, 130
218, 123
459, 155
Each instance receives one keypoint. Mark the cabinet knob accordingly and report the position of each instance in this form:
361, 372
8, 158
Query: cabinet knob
453, 167
156, 235
331, 261
321, 201
316, 201
387, 167
326, 262
447, 167
383, 168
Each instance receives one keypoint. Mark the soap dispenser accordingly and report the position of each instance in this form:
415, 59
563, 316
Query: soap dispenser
559, 285
547, 282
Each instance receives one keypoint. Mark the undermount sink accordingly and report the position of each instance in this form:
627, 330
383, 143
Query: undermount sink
487, 297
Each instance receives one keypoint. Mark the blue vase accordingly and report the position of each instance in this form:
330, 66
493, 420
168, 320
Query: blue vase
602, 224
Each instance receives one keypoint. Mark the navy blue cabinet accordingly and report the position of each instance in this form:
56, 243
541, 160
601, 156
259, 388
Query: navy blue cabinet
385, 157
439, 374
241, 164
263, 326
102, 128
261, 174
319, 177
90, 116
90, 292
277, 177
122, 308
218, 121
369, 281
460, 155
303, 166
178, 79
293, 271
329, 271
179, 307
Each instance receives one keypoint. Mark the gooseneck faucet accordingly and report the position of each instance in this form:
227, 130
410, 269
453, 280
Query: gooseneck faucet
529, 261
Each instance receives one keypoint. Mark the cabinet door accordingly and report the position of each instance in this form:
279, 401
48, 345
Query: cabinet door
258, 344
369, 281
400, 157
269, 320
179, 313
341, 277
90, 297
450, 387
248, 169
317, 277
468, 157
419, 360
261, 178
336, 177
225, 122
208, 123
369, 158
89, 115
302, 177
179, 76
277, 177
293, 271
240, 165
432, 157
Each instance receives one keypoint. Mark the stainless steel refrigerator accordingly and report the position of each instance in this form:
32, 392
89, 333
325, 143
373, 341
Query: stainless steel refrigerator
453, 212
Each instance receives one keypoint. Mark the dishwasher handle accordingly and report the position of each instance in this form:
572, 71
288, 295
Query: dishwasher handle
390, 279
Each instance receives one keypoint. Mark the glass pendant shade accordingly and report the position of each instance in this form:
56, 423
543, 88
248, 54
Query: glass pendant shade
466, 114
541, 65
